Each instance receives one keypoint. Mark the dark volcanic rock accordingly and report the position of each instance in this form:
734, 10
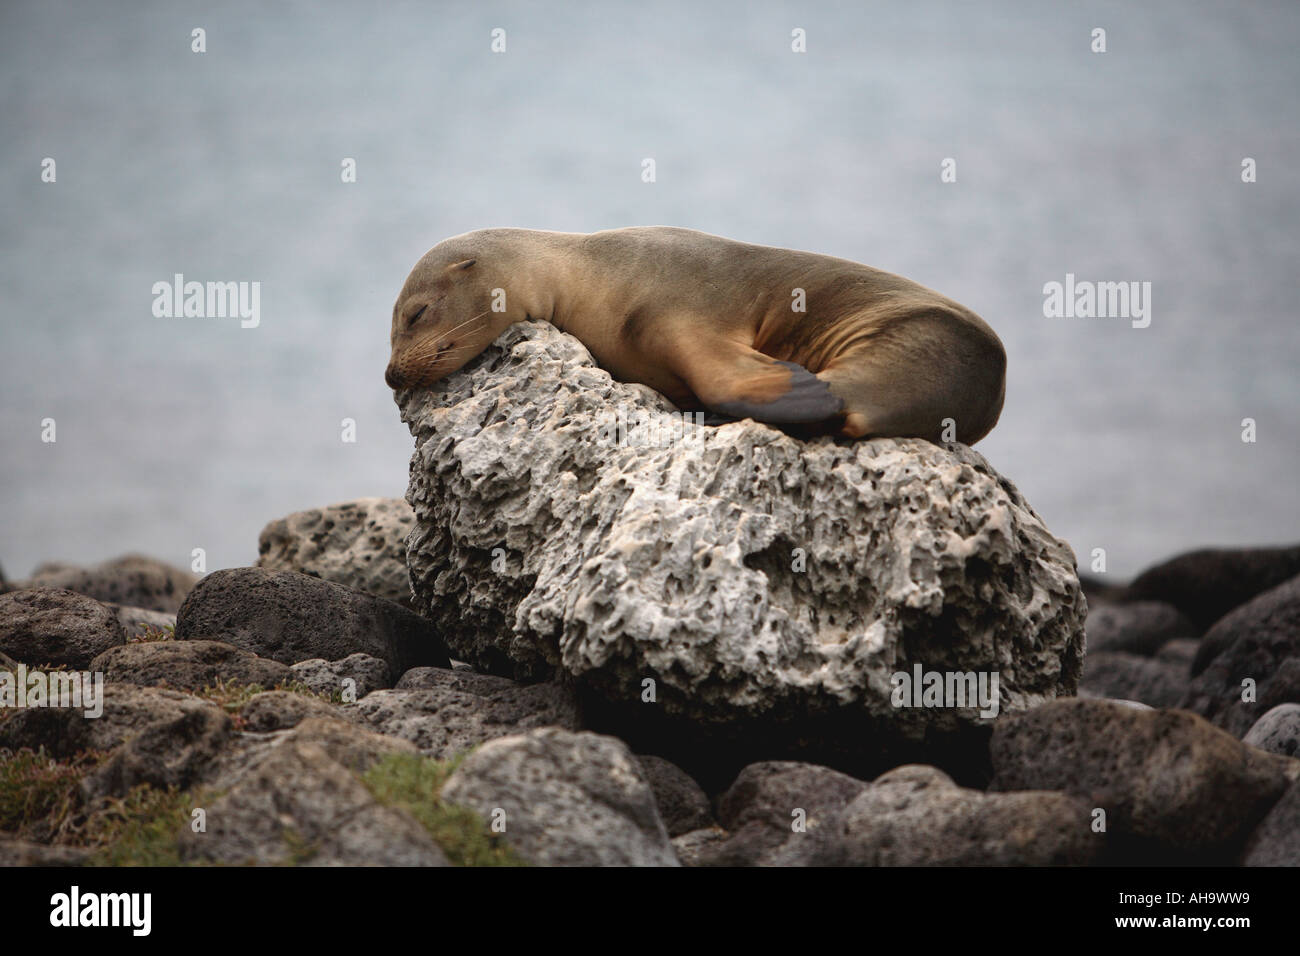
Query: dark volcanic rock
1142, 627
292, 617
1181, 652
1174, 788
773, 804
1205, 585
172, 751
187, 665
1130, 677
1276, 841
132, 580
1099, 591
127, 712
1259, 641
55, 626
682, 804
917, 816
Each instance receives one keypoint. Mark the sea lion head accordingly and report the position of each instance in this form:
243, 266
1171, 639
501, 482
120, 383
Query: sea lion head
443, 317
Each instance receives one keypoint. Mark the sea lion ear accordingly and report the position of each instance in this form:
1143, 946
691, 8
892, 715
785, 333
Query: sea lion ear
461, 266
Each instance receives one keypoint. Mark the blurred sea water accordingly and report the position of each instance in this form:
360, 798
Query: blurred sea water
174, 434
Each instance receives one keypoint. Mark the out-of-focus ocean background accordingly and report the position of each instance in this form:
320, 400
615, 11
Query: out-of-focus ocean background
180, 433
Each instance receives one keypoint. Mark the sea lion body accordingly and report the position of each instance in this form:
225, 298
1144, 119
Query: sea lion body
714, 323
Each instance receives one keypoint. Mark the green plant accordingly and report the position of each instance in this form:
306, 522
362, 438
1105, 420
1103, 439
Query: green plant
414, 783
36, 789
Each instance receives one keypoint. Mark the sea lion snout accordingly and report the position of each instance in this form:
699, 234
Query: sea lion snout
390, 376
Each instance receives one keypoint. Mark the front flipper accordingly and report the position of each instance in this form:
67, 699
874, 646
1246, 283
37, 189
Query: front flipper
739, 382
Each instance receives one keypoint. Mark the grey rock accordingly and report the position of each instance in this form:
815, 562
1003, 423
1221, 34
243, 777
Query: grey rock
1259, 640
187, 665
1099, 590
569, 799
329, 677
282, 709
127, 711
1276, 841
1174, 788
291, 617
360, 544
917, 816
301, 803
168, 752
1181, 651
14, 852
697, 848
1140, 627
460, 711
139, 622
458, 678
683, 804
1278, 731
624, 562
1207, 584
1131, 677
132, 580
56, 627
761, 809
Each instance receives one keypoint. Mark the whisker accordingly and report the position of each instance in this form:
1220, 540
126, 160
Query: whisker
466, 322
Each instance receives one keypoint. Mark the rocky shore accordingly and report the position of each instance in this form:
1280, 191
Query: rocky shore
573, 646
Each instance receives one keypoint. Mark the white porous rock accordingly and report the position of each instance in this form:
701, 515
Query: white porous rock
752, 575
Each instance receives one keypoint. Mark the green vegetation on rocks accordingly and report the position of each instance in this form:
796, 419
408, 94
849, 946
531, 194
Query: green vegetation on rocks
414, 783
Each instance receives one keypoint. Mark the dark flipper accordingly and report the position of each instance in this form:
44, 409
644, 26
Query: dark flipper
806, 399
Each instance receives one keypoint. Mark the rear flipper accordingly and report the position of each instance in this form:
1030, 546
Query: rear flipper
735, 381
802, 398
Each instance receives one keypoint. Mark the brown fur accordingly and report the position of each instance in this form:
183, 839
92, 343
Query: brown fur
707, 322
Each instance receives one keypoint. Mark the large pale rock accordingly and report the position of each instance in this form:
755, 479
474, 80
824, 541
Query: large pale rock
361, 544
764, 583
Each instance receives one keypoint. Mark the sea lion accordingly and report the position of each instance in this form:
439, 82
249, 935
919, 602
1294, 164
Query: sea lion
713, 323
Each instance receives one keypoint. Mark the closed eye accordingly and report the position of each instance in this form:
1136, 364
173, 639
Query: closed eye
415, 317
